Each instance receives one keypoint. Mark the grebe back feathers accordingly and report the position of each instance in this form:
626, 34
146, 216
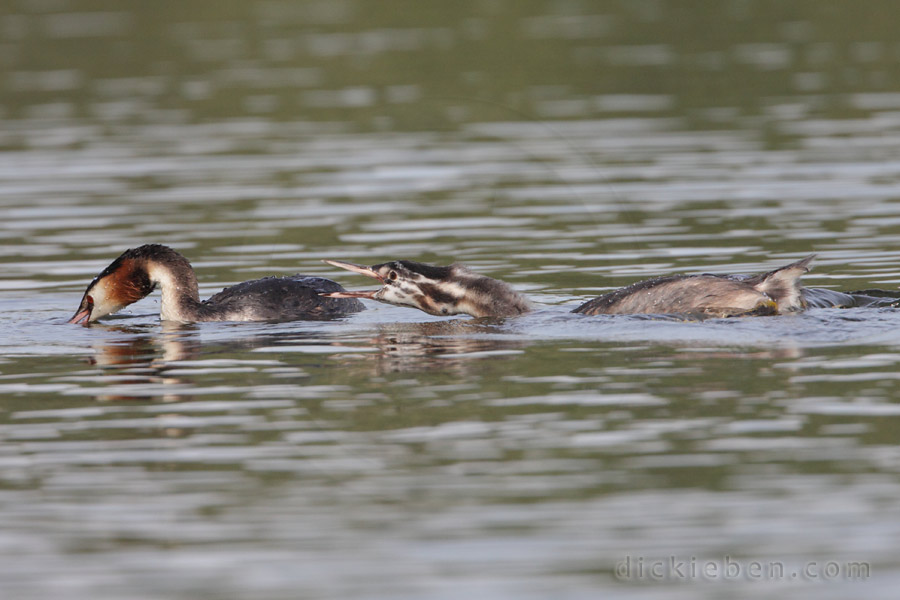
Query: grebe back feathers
774, 292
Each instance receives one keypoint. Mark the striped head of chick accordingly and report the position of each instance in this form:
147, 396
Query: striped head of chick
441, 291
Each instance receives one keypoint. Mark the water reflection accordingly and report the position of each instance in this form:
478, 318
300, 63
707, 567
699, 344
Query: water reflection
455, 346
135, 363
141, 347
164, 365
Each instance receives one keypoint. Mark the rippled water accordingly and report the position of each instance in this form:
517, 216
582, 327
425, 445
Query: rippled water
568, 148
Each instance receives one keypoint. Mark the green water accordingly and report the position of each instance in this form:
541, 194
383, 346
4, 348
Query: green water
565, 147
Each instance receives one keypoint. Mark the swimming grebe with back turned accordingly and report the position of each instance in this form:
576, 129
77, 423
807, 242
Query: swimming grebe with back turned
770, 293
457, 290
135, 274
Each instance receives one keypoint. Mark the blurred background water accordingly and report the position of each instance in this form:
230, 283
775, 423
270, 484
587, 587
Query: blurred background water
568, 147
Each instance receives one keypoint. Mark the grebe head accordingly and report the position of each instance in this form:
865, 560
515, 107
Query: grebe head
125, 281
439, 291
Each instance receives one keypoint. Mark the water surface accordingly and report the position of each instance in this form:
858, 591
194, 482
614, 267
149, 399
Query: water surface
568, 148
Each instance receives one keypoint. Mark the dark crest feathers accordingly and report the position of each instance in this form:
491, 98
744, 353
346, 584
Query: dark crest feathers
429, 271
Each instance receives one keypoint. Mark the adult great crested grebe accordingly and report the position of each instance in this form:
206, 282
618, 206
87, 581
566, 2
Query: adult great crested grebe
457, 290
135, 274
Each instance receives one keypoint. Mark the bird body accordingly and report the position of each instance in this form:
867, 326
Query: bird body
770, 293
136, 273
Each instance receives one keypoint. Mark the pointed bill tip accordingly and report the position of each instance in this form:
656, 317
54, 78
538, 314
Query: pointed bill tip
362, 294
360, 269
82, 317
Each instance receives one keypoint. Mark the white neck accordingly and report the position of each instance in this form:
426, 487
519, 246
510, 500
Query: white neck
180, 296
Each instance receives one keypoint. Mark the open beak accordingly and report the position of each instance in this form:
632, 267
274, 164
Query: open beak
367, 271
83, 315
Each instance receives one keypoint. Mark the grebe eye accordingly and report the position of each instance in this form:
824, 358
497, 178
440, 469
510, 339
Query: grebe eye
392, 276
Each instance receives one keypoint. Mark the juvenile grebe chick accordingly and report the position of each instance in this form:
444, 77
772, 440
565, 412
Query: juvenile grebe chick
775, 292
452, 290
138, 271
